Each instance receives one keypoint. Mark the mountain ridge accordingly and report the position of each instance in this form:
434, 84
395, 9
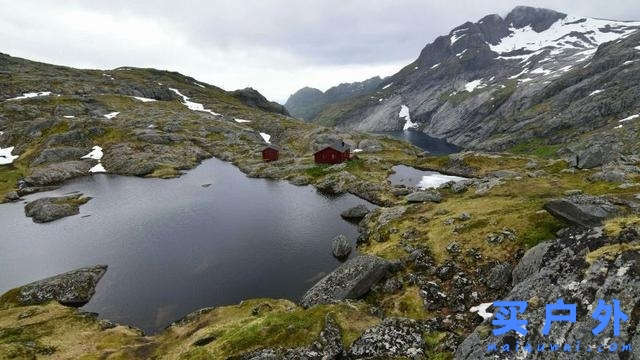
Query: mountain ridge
500, 82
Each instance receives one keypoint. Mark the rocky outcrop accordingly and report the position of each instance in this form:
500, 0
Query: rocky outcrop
580, 267
59, 154
53, 208
253, 98
582, 210
73, 288
355, 213
351, 280
57, 173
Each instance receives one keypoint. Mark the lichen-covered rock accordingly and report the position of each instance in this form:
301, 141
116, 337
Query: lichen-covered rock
73, 288
531, 262
582, 210
351, 280
580, 267
53, 208
394, 337
59, 154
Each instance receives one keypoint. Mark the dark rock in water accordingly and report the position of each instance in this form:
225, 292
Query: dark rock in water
53, 208
581, 210
27, 190
499, 277
205, 185
424, 196
327, 346
393, 338
581, 267
57, 173
74, 288
351, 280
355, 213
341, 247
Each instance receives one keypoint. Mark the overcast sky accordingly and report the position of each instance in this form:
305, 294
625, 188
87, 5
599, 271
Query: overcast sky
276, 47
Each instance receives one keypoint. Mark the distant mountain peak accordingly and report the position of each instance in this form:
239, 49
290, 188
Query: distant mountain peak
539, 19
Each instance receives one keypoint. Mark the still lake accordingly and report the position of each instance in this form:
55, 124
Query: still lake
433, 145
174, 246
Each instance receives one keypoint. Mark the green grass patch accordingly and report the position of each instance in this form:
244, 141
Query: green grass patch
536, 147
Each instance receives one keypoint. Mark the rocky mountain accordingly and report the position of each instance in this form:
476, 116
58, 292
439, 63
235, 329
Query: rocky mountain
307, 102
535, 77
253, 98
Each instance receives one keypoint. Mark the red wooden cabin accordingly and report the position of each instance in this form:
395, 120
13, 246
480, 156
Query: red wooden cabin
333, 154
270, 153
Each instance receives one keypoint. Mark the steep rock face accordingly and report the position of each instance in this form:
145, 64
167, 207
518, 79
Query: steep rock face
307, 102
253, 98
535, 75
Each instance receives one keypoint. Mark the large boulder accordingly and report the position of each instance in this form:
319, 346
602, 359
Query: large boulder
531, 262
351, 280
612, 176
355, 213
57, 173
53, 208
73, 288
593, 156
582, 210
58, 154
499, 277
583, 267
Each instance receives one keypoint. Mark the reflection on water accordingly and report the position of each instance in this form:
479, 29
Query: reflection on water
174, 246
427, 143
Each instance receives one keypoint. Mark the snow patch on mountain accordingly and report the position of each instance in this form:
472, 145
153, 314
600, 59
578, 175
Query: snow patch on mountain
193, 105
95, 154
266, 137
143, 99
594, 92
111, 115
475, 84
563, 34
632, 117
386, 86
5, 156
31, 95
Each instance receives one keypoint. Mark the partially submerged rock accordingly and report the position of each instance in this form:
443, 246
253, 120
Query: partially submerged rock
582, 210
53, 208
73, 288
355, 213
351, 280
340, 246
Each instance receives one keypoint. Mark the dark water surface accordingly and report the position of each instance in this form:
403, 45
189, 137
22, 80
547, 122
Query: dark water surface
173, 246
433, 145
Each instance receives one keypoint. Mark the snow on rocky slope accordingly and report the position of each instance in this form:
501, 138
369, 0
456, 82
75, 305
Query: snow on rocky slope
534, 74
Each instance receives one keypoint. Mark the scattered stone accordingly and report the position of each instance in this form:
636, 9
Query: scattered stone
355, 213
54, 208
504, 174
499, 237
461, 186
453, 248
392, 285
573, 192
531, 165
351, 280
464, 216
341, 247
74, 288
